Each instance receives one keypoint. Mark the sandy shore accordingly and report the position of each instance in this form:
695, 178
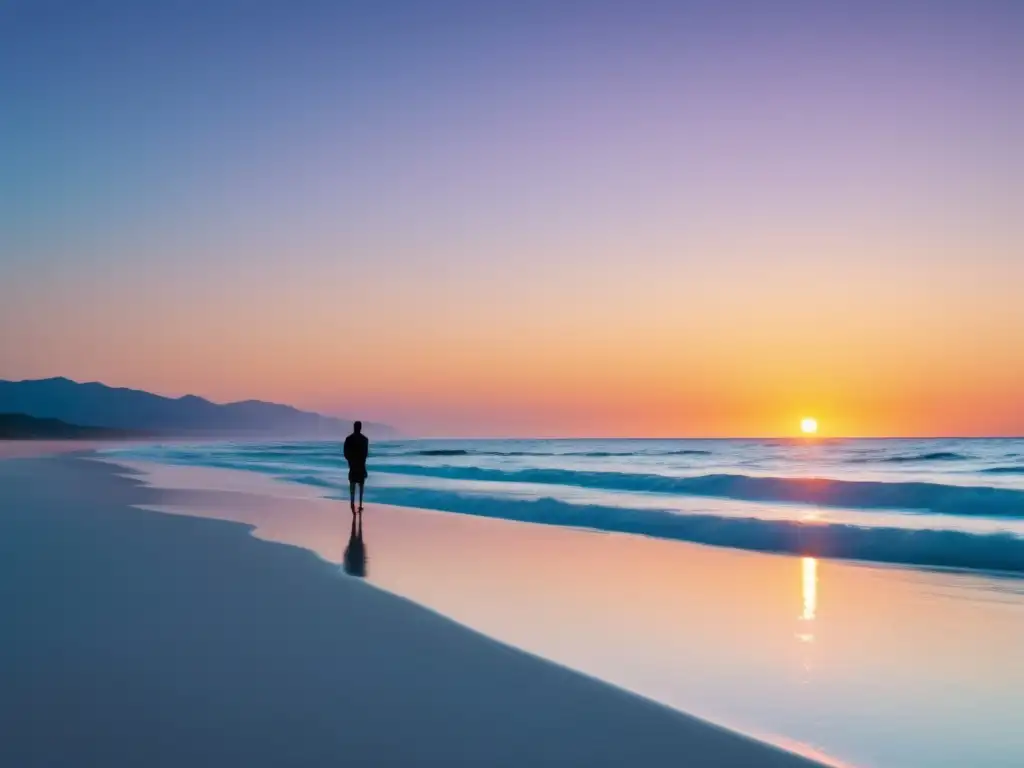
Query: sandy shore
138, 638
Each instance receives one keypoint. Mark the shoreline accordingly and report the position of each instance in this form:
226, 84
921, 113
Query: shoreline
753, 642
966, 533
159, 610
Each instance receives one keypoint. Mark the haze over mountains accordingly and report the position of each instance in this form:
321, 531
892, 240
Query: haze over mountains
18, 426
98, 405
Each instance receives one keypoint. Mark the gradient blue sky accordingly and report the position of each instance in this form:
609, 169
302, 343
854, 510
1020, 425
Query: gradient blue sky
531, 217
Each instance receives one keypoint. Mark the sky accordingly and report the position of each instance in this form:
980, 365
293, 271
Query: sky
531, 218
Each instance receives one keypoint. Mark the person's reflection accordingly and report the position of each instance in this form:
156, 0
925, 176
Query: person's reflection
354, 562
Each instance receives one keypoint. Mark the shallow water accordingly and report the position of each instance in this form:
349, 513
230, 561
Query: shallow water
936, 503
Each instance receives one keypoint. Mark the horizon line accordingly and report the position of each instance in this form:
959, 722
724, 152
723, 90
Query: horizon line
818, 439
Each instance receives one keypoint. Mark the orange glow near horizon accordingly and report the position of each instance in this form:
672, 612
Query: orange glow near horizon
659, 355
640, 370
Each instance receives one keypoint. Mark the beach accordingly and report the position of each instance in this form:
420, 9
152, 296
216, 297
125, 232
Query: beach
818, 656
187, 577
141, 638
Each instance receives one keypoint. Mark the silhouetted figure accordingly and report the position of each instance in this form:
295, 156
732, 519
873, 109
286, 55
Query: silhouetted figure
357, 449
355, 553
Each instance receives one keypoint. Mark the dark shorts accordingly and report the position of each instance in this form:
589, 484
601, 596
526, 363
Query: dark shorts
357, 474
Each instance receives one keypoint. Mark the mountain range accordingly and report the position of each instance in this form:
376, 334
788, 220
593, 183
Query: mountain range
98, 405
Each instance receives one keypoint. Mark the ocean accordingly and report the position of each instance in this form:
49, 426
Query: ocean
946, 503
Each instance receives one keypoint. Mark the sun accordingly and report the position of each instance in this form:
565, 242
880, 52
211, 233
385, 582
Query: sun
809, 426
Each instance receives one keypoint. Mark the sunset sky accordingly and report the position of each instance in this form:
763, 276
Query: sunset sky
545, 219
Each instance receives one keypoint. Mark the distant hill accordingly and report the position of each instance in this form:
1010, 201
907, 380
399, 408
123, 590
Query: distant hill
18, 426
97, 405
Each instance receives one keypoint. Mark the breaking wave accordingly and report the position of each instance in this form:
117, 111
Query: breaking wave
936, 456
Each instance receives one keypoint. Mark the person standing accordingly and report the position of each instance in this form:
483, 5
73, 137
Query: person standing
357, 450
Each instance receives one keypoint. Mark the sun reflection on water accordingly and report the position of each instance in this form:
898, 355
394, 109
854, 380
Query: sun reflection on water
809, 583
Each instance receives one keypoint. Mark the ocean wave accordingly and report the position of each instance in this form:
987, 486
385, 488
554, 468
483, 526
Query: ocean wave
316, 457
921, 457
588, 454
1004, 471
936, 456
929, 497
603, 454
930, 548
